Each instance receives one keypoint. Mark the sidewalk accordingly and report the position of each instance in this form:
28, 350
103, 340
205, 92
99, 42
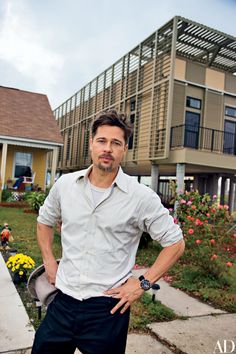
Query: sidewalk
198, 333
16, 332
203, 327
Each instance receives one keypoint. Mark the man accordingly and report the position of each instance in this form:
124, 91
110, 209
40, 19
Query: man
103, 213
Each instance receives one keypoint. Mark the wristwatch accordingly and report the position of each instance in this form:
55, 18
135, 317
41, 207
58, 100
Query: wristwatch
144, 283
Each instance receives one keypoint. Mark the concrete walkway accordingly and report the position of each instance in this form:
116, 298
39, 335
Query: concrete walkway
16, 332
206, 330
202, 332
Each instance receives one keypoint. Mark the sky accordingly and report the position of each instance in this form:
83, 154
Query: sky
55, 47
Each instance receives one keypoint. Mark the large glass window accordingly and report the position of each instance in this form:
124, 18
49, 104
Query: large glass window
131, 139
193, 102
23, 160
192, 123
230, 137
230, 111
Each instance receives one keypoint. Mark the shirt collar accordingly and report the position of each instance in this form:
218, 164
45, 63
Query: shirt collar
120, 180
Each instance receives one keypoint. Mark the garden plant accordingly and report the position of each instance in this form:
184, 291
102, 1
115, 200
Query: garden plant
209, 259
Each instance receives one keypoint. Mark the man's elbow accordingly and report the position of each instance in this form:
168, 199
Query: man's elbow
181, 247
42, 228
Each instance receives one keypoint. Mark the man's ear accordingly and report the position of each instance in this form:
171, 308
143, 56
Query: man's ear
90, 143
126, 147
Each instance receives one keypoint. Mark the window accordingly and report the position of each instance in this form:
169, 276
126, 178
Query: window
230, 111
230, 137
192, 124
132, 120
23, 160
193, 103
68, 145
132, 104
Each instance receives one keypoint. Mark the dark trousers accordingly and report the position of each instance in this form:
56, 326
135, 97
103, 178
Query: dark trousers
87, 325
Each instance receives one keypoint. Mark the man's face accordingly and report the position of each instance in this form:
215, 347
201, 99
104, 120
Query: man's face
108, 148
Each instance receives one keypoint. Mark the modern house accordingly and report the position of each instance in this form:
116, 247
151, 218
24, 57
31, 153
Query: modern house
28, 131
178, 87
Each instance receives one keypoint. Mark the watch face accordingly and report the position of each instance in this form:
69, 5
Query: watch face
145, 284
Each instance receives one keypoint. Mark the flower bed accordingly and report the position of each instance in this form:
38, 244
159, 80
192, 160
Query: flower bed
20, 204
20, 265
209, 258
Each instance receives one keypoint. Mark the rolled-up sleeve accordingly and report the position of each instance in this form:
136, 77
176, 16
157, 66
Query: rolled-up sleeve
50, 212
157, 221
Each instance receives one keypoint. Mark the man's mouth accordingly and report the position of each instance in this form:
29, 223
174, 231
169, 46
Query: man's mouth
106, 157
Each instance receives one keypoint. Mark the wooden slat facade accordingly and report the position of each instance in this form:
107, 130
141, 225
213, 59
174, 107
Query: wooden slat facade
151, 83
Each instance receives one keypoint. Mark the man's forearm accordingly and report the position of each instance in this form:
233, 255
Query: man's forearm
166, 259
45, 240
45, 235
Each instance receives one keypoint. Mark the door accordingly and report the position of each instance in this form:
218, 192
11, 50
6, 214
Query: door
230, 137
191, 136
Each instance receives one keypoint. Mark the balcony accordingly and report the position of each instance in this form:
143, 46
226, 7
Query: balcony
201, 138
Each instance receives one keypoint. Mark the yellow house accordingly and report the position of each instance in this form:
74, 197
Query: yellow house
28, 131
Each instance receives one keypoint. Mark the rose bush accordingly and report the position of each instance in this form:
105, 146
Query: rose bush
206, 228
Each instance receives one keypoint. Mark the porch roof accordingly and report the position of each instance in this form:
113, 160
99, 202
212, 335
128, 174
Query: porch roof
27, 115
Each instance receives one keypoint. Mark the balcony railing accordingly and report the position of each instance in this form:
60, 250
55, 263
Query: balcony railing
201, 138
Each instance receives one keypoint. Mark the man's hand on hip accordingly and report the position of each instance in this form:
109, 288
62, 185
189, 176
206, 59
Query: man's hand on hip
51, 270
129, 292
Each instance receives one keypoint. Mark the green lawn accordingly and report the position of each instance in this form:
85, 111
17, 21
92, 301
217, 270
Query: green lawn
217, 291
23, 228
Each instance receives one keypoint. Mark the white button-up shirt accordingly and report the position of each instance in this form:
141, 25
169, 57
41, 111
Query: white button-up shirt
100, 242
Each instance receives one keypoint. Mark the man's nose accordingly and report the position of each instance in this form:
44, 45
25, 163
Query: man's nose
108, 146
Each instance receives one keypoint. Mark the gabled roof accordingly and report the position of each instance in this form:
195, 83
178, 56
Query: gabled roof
27, 115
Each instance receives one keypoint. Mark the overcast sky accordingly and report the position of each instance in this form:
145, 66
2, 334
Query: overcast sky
55, 47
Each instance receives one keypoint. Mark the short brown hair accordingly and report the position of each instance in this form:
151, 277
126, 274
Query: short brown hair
113, 118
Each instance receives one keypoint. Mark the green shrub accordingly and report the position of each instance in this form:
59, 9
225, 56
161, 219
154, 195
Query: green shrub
205, 225
6, 194
36, 200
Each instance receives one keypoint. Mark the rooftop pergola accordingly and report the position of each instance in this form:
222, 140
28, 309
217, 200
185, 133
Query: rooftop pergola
179, 37
203, 44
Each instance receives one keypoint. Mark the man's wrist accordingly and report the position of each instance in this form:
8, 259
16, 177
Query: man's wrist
145, 284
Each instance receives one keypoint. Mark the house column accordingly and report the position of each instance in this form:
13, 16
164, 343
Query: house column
234, 197
54, 165
180, 173
154, 177
231, 194
3, 164
195, 182
3, 168
212, 184
222, 191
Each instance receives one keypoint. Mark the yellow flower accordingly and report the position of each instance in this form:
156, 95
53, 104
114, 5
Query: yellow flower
20, 263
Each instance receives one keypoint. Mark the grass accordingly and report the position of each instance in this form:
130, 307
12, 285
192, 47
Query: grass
219, 292
23, 228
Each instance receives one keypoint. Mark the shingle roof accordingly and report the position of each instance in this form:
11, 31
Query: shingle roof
28, 115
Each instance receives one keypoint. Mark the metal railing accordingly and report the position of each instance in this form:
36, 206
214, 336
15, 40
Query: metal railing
201, 138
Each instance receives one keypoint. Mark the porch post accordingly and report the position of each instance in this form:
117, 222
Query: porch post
54, 165
231, 195
234, 197
180, 173
222, 191
154, 177
3, 168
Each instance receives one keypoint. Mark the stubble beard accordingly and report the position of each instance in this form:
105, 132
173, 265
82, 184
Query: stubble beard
105, 168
